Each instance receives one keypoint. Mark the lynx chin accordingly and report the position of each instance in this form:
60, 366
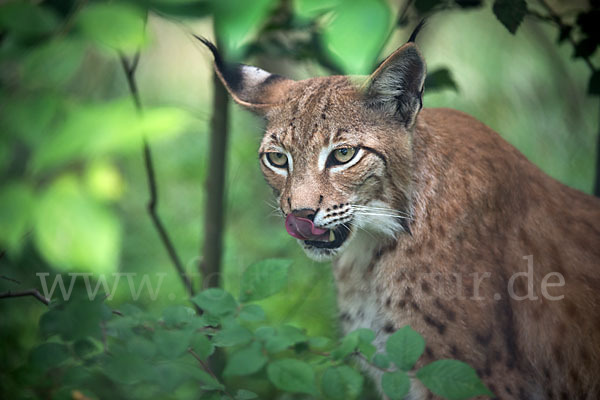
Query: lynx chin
427, 215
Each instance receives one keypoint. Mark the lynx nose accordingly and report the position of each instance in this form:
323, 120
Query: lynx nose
305, 213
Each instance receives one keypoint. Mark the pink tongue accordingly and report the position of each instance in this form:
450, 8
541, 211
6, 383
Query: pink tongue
304, 229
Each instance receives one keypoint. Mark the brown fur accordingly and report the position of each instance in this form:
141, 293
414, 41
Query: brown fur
475, 206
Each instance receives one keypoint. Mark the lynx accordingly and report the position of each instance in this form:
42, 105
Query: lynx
432, 220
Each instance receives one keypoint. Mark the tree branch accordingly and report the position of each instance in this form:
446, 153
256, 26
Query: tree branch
31, 292
206, 368
130, 68
557, 19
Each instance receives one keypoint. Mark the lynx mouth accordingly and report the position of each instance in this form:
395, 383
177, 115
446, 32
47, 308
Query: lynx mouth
339, 236
323, 238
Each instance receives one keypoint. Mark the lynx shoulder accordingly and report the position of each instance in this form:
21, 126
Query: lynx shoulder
432, 220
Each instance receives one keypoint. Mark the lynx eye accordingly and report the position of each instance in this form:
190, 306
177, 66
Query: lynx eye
278, 160
343, 155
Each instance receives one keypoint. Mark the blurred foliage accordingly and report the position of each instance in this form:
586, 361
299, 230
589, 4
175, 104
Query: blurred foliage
73, 189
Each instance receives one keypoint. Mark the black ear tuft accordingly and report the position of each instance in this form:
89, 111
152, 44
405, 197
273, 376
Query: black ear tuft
249, 86
415, 32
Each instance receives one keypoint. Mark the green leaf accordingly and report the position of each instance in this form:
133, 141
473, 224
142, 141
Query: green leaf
85, 347
365, 339
292, 376
381, 360
232, 334
246, 361
26, 19
49, 355
404, 347
216, 301
128, 368
177, 315
264, 279
237, 21
440, 79
243, 394
109, 127
17, 202
208, 382
252, 313
202, 346
180, 8
356, 34
452, 379
141, 346
281, 338
118, 25
510, 12
395, 384
347, 347
171, 375
65, 55
172, 344
72, 231
319, 342
341, 382
313, 8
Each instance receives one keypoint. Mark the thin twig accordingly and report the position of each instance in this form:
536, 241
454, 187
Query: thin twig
31, 292
8, 278
554, 17
206, 368
129, 68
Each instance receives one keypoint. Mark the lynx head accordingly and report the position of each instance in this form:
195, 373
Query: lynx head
337, 150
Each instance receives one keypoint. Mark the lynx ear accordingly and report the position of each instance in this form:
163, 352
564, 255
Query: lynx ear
249, 86
396, 87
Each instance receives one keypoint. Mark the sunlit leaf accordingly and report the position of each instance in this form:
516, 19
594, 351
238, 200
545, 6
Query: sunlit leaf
95, 130
180, 8
104, 181
292, 376
17, 202
72, 231
236, 22
357, 33
117, 25
313, 8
